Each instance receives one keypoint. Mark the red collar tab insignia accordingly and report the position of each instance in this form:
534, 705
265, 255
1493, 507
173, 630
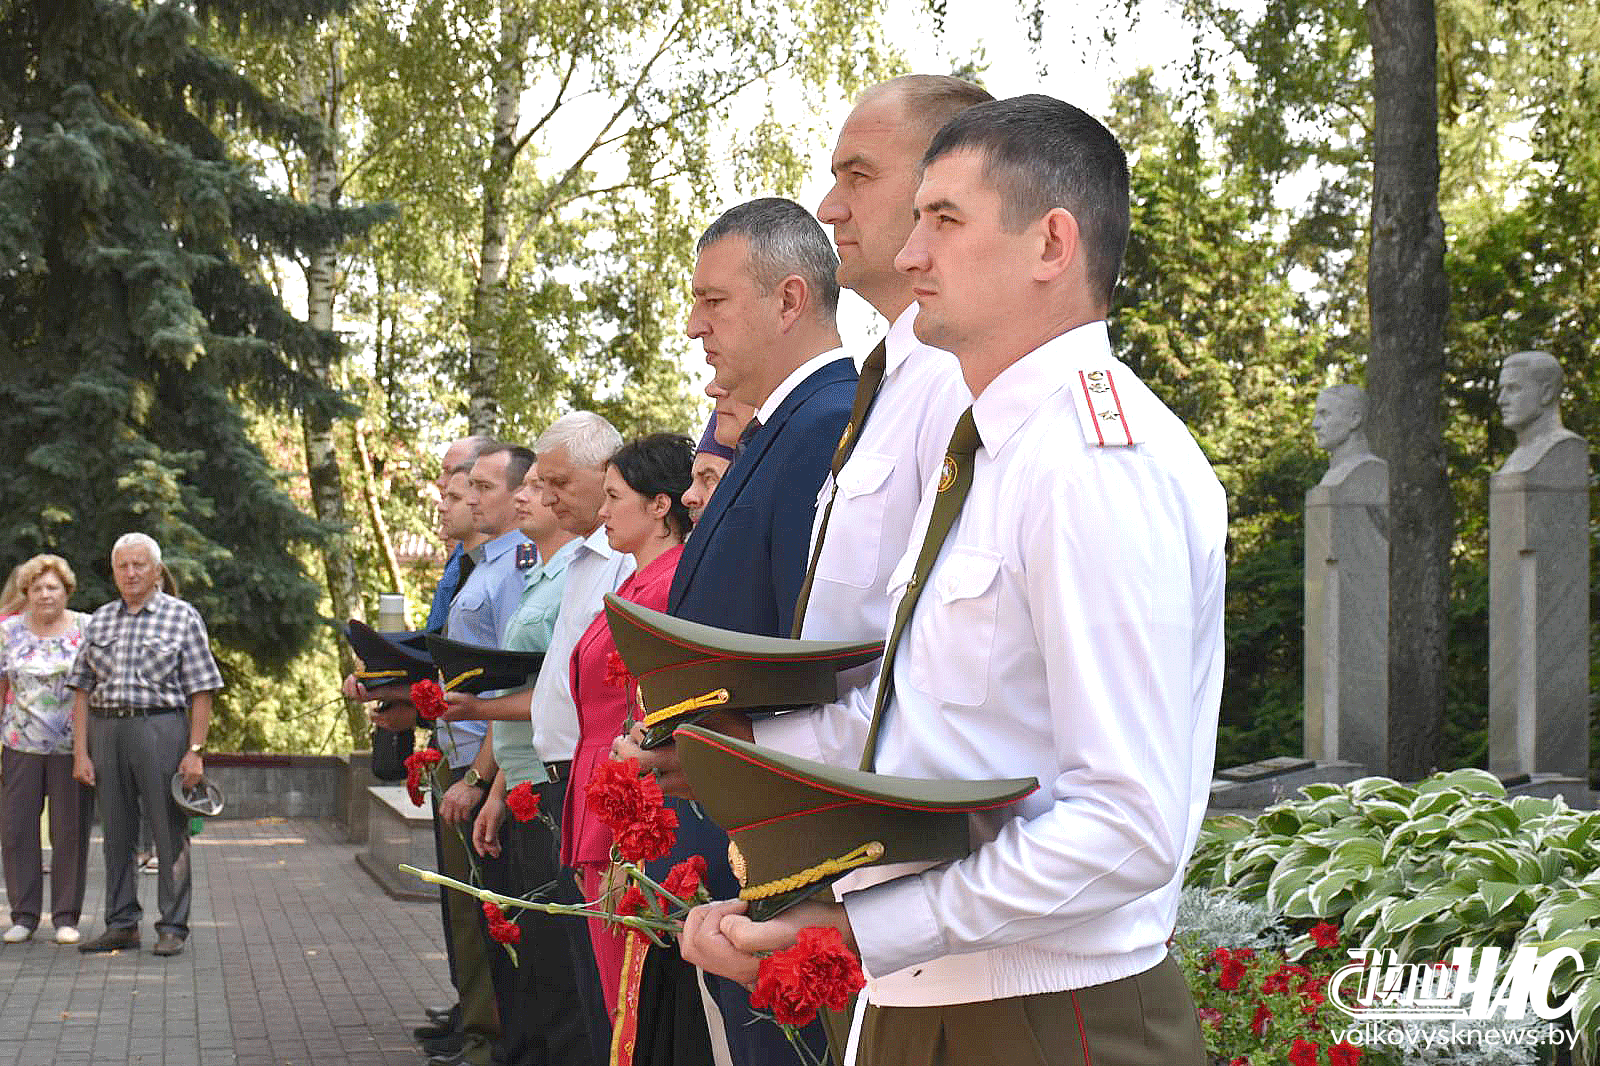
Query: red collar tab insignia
1101, 410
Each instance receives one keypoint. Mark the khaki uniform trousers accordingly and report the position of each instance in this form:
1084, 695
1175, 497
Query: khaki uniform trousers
1144, 1020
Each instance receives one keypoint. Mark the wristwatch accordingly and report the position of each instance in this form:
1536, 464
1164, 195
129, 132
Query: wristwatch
197, 749
473, 778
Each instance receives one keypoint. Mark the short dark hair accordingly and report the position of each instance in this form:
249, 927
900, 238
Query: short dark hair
519, 460
660, 463
784, 239
1042, 153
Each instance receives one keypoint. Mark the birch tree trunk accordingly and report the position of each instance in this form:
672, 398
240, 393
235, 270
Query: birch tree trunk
322, 454
1409, 298
488, 295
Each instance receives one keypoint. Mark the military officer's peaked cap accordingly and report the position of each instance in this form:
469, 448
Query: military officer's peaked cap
686, 670
797, 826
475, 668
388, 658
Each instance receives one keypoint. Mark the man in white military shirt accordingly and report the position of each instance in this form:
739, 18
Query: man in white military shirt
909, 395
1066, 624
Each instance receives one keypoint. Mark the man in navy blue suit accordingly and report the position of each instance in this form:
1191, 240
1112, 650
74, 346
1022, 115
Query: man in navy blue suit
764, 304
765, 296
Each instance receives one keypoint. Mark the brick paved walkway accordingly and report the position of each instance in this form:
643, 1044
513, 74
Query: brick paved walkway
283, 966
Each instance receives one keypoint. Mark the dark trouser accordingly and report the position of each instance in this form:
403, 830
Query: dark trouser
550, 1000
480, 1022
1141, 1020
26, 779
134, 760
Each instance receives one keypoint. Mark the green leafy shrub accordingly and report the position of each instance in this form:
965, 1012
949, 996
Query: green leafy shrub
1421, 869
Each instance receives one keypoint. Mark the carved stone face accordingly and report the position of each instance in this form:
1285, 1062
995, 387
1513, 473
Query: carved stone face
1337, 416
1521, 397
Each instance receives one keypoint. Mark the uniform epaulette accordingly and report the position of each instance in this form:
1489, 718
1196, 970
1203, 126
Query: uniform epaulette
1104, 409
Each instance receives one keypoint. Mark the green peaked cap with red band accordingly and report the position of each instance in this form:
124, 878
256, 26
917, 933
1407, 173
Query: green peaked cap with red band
797, 826
687, 670
476, 669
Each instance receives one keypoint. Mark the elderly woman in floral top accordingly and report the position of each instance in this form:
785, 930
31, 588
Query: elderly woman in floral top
37, 648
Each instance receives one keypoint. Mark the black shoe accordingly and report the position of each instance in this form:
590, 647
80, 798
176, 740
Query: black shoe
168, 944
112, 940
442, 1015
458, 1059
445, 1046
437, 1030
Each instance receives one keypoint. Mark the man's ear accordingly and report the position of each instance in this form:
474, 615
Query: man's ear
1060, 244
794, 297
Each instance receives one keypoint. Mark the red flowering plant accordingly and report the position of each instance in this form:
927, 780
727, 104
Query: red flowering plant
1269, 1007
428, 698
522, 802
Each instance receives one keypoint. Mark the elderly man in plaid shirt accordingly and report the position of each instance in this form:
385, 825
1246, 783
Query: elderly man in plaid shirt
144, 678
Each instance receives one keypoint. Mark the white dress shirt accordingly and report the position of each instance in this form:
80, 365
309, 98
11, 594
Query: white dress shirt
775, 398
875, 500
595, 570
1070, 631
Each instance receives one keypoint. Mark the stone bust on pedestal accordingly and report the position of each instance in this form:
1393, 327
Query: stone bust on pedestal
1538, 583
1530, 390
1339, 424
1347, 590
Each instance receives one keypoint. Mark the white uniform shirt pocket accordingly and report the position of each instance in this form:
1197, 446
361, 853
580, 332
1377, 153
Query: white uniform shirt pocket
955, 625
855, 529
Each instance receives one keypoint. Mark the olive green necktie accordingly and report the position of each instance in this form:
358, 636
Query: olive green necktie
866, 393
955, 479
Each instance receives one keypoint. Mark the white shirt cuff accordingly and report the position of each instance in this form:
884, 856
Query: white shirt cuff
894, 925
793, 733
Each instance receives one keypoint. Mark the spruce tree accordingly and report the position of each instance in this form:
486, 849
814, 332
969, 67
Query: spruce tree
135, 332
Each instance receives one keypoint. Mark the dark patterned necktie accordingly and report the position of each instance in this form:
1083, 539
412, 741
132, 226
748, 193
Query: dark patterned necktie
747, 436
955, 479
866, 393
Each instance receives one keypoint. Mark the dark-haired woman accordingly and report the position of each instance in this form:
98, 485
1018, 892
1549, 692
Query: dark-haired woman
644, 516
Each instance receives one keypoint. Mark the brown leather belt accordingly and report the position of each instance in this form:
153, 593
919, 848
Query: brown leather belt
132, 712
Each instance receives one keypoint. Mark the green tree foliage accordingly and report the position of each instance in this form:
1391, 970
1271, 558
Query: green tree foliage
1289, 87
133, 336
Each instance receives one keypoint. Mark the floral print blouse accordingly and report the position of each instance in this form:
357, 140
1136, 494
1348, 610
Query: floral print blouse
38, 717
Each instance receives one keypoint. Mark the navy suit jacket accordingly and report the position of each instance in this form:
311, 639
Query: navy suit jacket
744, 564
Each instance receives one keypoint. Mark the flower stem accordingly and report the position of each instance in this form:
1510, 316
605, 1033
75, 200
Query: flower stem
646, 926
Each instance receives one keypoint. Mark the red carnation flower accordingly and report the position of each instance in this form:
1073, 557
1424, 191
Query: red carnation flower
617, 675
778, 988
505, 932
1233, 972
828, 968
1242, 1060
492, 912
817, 971
1325, 934
1304, 1053
1344, 1053
1220, 955
649, 838
428, 698
1258, 1024
1209, 1015
414, 787
619, 796
684, 880
523, 802
1275, 984
420, 762
632, 902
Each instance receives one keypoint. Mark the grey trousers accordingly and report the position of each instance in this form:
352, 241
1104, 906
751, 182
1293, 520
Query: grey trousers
134, 760
26, 779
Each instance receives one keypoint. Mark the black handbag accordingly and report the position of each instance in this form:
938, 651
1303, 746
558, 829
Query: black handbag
390, 748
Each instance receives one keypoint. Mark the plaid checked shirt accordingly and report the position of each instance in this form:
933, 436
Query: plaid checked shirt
157, 656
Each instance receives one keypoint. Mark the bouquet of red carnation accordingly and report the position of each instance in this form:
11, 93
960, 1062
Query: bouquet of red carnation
417, 764
428, 698
630, 804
